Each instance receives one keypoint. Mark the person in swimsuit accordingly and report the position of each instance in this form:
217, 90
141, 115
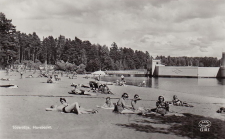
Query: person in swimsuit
50, 80
161, 106
177, 102
107, 105
134, 102
121, 107
221, 110
21, 75
70, 108
108, 102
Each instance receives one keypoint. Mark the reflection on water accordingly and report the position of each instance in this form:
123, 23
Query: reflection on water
221, 81
201, 86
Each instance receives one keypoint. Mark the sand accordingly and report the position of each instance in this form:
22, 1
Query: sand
22, 110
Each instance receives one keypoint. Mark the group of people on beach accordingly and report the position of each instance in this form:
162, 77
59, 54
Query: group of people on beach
162, 106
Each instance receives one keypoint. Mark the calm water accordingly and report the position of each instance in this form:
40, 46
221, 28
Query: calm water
201, 86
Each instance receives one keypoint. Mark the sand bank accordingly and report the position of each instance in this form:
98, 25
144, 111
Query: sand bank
24, 107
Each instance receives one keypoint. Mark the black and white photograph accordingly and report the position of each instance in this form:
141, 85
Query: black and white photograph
112, 69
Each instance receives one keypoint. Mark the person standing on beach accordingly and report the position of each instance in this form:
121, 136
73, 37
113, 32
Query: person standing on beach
99, 77
21, 75
7, 71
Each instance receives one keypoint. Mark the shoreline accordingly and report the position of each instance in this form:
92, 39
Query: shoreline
34, 95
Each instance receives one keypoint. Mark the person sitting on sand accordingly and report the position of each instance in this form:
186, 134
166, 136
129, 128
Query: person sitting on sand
70, 108
121, 107
143, 84
177, 102
57, 77
50, 80
94, 85
104, 89
122, 78
107, 105
134, 102
161, 106
122, 83
221, 110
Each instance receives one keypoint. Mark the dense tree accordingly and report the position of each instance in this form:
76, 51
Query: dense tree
8, 41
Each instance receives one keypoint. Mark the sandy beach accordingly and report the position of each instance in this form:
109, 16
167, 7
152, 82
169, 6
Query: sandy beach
23, 112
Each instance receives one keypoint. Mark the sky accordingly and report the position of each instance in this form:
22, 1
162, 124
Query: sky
161, 27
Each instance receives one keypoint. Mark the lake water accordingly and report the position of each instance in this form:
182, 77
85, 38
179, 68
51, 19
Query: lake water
212, 87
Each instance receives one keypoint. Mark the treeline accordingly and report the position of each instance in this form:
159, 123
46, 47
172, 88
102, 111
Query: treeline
190, 61
17, 47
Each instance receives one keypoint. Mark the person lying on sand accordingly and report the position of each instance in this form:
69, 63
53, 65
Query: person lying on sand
177, 102
5, 79
78, 91
70, 108
161, 106
9, 86
122, 108
221, 110
104, 89
30, 76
